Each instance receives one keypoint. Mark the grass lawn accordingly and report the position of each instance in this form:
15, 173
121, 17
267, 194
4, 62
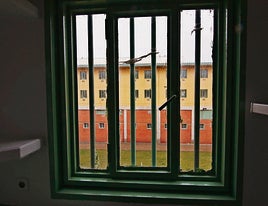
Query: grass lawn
143, 158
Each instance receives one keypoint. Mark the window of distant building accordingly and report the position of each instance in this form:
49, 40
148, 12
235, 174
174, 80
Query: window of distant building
183, 73
136, 74
83, 93
184, 126
136, 93
102, 74
102, 93
183, 93
85, 125
204, 73
101, 125
204, 93
83, 75
147, 74
202, 126
147, 93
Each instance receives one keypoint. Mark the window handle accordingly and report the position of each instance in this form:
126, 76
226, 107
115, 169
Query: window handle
169, 100
259, 108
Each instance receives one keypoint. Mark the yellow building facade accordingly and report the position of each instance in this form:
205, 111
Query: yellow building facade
143, 83
143, 97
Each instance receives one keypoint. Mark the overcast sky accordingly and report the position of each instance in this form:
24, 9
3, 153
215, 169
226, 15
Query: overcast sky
143, 39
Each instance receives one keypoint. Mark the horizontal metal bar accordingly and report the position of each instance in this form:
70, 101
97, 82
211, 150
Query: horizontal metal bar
259, 108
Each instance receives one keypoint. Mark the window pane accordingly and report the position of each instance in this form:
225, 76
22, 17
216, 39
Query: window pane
91, 73
196, 140
140, 124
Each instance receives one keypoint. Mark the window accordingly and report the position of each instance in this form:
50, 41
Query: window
149, 34
183, 93
136, 93
147, 93
147, 74
183, 73
203, 73
102, 93
83, 75
102, 74
202, 126
101, 125
85, 125
204, 93
83, 93
184, 126
136, 74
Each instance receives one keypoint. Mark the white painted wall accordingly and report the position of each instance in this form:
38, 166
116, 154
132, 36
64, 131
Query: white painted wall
23, 110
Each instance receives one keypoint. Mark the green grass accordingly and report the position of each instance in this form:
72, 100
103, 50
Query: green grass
144, 159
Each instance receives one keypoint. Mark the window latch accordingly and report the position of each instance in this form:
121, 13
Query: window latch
169, 100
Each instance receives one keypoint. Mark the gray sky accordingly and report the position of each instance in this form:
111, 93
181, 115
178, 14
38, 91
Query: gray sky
143, 39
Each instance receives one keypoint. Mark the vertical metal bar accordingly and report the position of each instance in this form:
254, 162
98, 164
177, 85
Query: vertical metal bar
173, 108
91, 91
132, 92
111, 34
197, 88
153, 86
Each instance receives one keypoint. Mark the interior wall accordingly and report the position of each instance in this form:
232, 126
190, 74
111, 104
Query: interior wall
23, 110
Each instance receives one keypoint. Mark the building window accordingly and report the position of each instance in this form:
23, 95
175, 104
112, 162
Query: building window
83, 94
102, 74
183, 93
101, 125
202, 126
147, 93
165, 126
136, 74
183, 126
147, 74
183, 73
136, 93
83, 75
85, 125
203, 73
221, 183
203, 93
102, 93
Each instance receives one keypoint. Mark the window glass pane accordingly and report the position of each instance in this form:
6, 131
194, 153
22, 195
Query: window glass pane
140, 126
91, 75
196, 141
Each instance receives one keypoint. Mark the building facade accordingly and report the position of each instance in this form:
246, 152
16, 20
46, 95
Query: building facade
143, 97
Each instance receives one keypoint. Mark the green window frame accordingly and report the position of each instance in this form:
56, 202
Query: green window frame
222, 185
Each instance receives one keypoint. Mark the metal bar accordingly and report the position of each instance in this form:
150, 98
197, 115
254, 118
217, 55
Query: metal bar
197, 88
132, 92
153, 86
166, 103
173, 108
91, 91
